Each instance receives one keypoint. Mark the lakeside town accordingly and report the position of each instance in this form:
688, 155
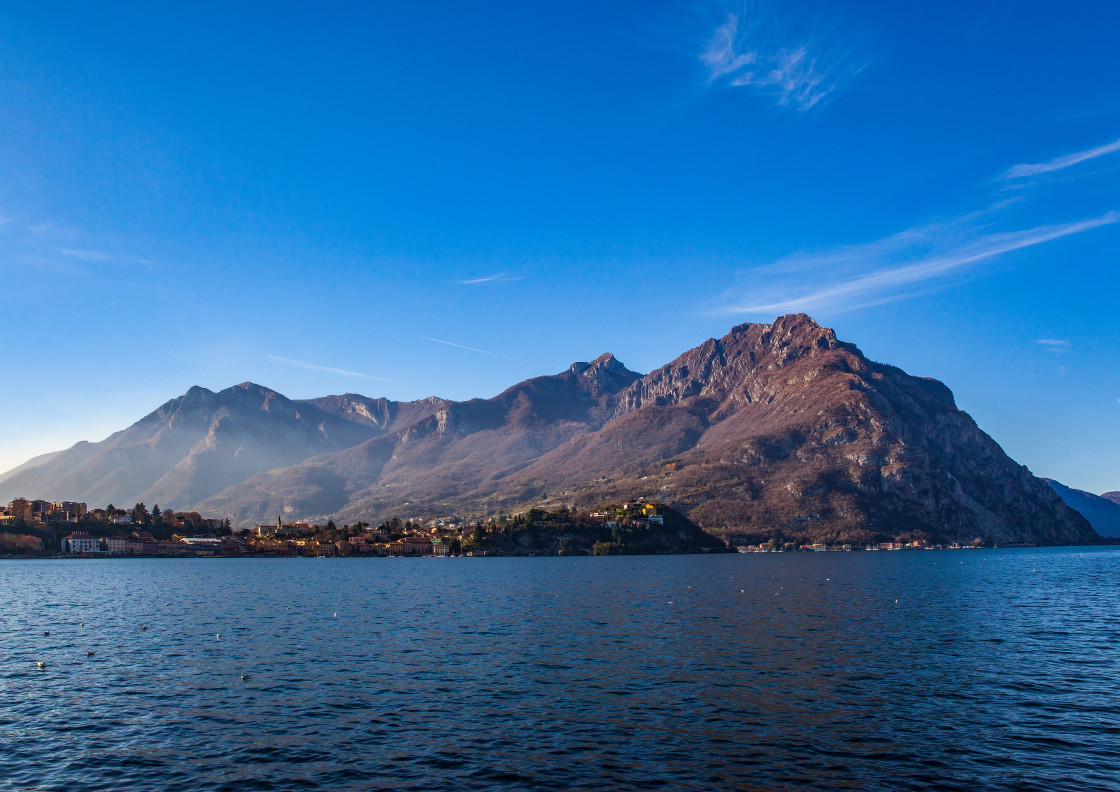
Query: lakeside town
70, 529
67, 528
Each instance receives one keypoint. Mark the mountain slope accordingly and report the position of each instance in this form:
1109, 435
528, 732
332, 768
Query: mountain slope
34, 462
430, 464
1102, 513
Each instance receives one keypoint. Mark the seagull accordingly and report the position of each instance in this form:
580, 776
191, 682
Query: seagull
46, 632
217, 636
244, 677
90, 653
40, 665
336, 614
143, 627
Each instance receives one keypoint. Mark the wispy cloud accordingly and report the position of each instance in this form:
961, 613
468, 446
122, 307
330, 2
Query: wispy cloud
800, 73
472, 349
40, 228
1055, 344
325, 369
1061, 163
501, 277
899, 265
84, 255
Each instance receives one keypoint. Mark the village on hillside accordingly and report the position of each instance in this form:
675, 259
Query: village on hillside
39, 527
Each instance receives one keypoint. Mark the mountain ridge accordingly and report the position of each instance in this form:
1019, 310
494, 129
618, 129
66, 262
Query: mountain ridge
776, 428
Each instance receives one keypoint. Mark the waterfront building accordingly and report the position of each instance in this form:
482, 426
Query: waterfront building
80, 542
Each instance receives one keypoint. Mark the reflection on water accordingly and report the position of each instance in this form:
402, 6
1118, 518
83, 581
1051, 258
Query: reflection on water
916, 670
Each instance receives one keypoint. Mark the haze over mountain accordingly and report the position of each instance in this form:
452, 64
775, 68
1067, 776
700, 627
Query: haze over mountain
773, 429
202, 442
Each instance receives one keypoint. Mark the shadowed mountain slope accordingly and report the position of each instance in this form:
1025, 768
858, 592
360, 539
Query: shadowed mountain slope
1102, 512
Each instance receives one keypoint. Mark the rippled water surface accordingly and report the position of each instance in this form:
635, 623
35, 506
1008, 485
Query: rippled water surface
961, 670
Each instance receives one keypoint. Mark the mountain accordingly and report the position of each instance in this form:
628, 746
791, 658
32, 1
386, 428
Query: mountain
34, 462
199, 444
774, 430
432, 464
1102, 512
782, 429
1112, 496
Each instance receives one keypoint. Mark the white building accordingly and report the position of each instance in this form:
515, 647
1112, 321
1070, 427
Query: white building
81, 542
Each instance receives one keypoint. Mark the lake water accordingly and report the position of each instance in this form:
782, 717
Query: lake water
955, 670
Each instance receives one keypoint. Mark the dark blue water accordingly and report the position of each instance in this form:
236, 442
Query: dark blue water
961, 670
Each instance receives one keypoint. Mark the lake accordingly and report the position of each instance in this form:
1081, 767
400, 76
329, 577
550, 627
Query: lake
954, 670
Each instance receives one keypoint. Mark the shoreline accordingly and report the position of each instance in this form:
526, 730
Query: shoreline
356, 557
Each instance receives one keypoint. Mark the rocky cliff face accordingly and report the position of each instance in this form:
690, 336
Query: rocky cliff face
773, 430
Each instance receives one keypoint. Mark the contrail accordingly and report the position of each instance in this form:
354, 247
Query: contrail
472, 349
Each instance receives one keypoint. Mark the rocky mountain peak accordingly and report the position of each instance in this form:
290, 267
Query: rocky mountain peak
605, 375
605, 362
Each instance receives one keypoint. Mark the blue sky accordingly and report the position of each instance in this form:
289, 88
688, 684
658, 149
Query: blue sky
318, 198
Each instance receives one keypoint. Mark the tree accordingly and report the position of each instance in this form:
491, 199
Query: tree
330, 525
155, 513
140, 515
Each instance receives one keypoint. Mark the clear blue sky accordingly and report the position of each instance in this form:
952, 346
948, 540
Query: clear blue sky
305, 195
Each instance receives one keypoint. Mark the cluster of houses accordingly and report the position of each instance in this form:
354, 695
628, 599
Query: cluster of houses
298, 539
23, 510
818, 547
102, 533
